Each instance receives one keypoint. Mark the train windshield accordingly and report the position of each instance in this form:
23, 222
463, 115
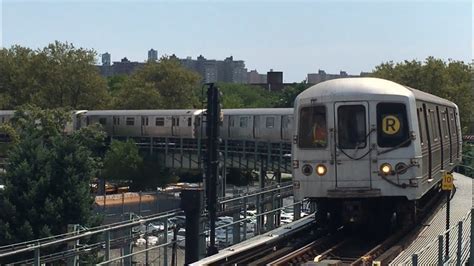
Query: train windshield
312, 127
351, 126
392, 125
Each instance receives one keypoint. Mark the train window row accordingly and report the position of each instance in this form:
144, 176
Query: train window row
130, 121
436, 124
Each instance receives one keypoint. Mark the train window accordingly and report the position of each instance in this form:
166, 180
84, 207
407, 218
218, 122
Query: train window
392, 125
270, 122
160, 121
244, 120
312, 127
197, 121
189, 121
434, 126
144, 121
130, 121
103, 121
445, 124
420, 127
453, 124
175, 121
116, 121
351, 127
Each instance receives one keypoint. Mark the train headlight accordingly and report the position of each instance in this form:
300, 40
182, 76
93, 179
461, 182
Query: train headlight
321, 169
385, 168
307, 170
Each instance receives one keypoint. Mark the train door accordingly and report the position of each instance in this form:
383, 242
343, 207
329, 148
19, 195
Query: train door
175, 126
352, 145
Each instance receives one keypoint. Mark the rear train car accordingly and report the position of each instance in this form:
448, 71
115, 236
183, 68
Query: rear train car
145, 123
368, 146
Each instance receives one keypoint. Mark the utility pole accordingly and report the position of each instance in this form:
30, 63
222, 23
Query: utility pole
212, 161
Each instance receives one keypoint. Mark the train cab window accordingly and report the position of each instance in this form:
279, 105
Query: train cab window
130, 121
351, 127
312, 127
197, 121
160, 121
244, 121
103, 121
189, 121
392, 125
270, 122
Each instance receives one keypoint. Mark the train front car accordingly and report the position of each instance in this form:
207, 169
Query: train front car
356, 151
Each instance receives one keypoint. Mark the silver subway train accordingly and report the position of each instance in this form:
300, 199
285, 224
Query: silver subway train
368, 145
265, 124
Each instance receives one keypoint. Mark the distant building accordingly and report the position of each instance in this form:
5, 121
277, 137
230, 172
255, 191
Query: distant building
106, 59
273, 80
253, 77
124, 67
152, 55
227, 70
315, 78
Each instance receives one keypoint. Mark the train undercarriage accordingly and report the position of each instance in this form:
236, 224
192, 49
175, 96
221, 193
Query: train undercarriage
374, 213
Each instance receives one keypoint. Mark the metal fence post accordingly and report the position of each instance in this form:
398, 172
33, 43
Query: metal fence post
440, 250
165, 240
140, 203
414, 259
37, 256
471, 257
107, 245
459, 253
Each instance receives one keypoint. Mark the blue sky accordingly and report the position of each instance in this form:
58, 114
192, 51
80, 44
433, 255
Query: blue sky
294, 37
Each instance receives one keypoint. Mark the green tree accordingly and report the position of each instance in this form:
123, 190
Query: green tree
451, 80
47, 178
122, 161
287, 96
164, 85
59, 75
245, 96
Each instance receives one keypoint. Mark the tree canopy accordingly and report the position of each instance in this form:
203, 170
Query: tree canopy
451, 80
158, 85
47, 178
59, 75
245, 96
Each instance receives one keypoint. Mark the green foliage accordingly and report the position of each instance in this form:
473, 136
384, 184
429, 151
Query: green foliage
245, 96
287, 96
158, 85
47, 178
451, 80
59, 75
122, 161
467, 160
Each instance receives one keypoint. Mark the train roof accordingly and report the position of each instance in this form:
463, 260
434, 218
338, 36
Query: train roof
361, 87
146, 112
7, 112
258, 111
